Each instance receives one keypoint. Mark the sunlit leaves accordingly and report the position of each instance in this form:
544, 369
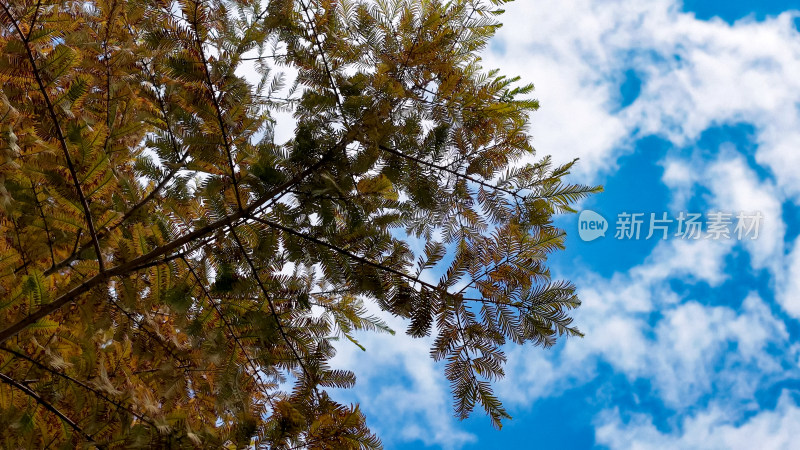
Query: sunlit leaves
172, 275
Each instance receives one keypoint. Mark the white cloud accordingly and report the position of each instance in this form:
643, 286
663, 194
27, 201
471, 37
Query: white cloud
635, 323
736, 188
680, 177
703, 349
789, 286
700, 260
695, 74
710, 429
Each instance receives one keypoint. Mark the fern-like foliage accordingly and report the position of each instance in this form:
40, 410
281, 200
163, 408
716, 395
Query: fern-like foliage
168, 267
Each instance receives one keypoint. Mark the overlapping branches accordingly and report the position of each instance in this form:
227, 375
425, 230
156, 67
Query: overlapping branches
177, 246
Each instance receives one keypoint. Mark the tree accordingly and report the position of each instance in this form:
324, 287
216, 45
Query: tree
167, 266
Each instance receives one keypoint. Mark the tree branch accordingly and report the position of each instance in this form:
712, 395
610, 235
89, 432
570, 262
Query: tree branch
51, 110
256, 376
270, 303
79, 383
350, 255
214, 99
47, 405
127, 267
446, 169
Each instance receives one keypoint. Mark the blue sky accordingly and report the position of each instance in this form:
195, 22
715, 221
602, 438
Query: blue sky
690, 344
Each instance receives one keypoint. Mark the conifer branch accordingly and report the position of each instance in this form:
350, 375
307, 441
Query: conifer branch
213, 94
48, 406
446, 169
315, 221
59, 134
350, 255
127, 267
255, 375
78, 383
270, 303
314, 38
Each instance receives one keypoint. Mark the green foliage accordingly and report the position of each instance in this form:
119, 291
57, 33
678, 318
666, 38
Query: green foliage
168, 267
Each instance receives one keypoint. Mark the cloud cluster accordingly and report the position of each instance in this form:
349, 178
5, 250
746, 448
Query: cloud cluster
710, 429
694, 75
